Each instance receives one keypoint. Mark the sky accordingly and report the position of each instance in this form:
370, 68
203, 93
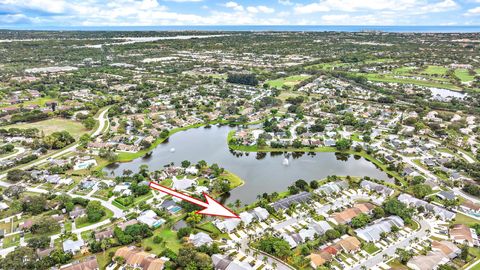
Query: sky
92, 13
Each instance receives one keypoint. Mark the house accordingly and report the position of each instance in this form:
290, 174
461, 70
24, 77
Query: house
26, 225
149, 217
246, 217
319, 259
73, 246
227, 225
333, 187
88, 264
378, 188
438, 211
123, 189
446, 195
348, 244
44, 252
191, 170
200, 239
320, 227
442, 252
373, 232
448, 248
223, 262
137, 258
127, 223
461, 233
428, 262
3, 206
182, 184
347, 215
470, 207
77, 212
293, 199
103, 234
260, 213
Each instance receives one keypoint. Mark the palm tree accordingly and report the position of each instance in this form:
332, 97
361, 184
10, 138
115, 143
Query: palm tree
274, 265
265, 259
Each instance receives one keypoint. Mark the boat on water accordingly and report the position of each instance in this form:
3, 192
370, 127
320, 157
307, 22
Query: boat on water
285, 162
172, 150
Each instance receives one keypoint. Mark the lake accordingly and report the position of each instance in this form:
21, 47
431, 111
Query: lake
262, 172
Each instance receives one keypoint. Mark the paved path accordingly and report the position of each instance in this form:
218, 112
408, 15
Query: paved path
103, 121
20, 151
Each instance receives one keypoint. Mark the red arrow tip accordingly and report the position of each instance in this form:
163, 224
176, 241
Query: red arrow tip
216, 209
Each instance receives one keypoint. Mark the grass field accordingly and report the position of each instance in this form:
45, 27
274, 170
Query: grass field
83, 222
287, 81
49, 126
38, 101
464, 75
435, 70
391, 79
170, 241
464, 219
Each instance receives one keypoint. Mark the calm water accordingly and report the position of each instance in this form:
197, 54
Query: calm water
261, 172
445, 93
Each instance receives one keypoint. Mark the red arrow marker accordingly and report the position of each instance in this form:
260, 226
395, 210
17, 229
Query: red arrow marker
211, 207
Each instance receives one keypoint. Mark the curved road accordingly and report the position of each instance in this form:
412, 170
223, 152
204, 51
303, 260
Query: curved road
103, 121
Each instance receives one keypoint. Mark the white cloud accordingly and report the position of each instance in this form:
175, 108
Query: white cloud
311, 8
376, 5
473, 12
234, 5
184, 1
260, 9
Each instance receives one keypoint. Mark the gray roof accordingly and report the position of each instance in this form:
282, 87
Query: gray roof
294, 199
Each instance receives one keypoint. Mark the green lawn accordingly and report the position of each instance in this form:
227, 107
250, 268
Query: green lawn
464, 219
11, 241
435, 70
76, 129
404, 70
170, 241
370, 248
83, 222
390, 79
464, 75
287, 81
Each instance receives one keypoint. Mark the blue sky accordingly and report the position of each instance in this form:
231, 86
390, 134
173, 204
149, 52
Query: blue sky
69, 13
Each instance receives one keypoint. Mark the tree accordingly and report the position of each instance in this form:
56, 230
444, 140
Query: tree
394, 207
18, 175
403, 255
186, 163
34, 204
58, 140
332, 234
378, 212
193, 218
95, 211
40, 242
360, 220
343, 144
45, 225
275, 246
313, 184
189, 258
464, 253
421, 190
89, 123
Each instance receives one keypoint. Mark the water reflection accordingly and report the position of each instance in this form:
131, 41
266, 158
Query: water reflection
262, 172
